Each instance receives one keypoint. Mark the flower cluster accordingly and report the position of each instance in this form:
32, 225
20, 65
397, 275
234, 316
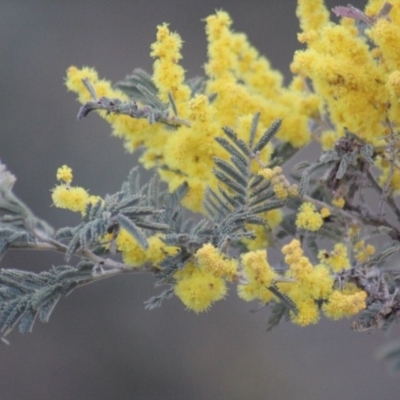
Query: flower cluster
281, 186
134, 255
203, 281
354, 71
313, 284
74, 198
309, 218
239, 79
258, 275
346, 80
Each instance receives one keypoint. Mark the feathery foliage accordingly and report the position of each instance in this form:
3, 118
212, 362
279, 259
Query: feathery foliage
220, 143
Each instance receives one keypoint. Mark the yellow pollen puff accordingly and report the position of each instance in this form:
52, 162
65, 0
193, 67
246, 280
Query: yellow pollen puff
259, 276
307, 313
341, 305
300, 268
71, 198
338, 259
339, 202
257, 268
211, 260
64, 173
133, 254
325, 212
280, 191
157, 250
294, 256
319, 283
309, 218
363, 252
289, 248
266, 173
198, 289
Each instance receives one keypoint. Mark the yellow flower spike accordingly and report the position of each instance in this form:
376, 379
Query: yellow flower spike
308, 218
312, 14
74, 82
254, 69
64, 174
101, 87
221, 58
134, 132
169, 76
386, 34
211, 260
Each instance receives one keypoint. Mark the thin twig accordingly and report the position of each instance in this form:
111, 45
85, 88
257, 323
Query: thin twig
390, 150
390, 201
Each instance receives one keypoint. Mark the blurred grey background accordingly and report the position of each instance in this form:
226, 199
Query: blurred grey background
100, 342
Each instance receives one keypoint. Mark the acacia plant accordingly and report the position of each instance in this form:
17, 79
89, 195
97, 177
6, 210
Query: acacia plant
219, 198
